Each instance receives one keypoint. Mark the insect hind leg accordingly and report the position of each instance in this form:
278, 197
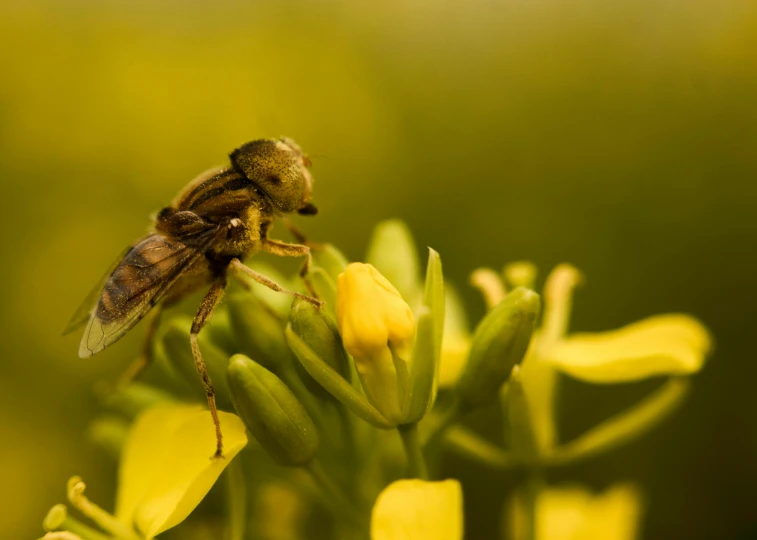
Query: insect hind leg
209, 302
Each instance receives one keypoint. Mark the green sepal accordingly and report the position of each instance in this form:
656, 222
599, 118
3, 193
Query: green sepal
330, 259
324, 288
334, 383
272, 413
518, 419
178, 351
624, 426
471, 445
424, 366
392, 252
499, 342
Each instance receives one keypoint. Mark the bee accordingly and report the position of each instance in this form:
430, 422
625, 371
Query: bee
220, 218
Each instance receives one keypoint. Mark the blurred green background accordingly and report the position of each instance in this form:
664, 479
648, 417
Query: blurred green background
620, 136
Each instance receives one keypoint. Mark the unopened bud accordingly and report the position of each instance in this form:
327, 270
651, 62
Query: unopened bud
319, 332
258, 328
272, 413
377, 328
499, 342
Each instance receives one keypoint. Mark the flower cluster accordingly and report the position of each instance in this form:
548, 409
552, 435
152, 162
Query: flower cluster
342, 413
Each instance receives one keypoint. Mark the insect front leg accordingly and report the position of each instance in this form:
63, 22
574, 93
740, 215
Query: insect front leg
282, 249
238, 266
209, 302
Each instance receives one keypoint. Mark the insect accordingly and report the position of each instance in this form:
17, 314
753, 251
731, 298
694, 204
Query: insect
220, 218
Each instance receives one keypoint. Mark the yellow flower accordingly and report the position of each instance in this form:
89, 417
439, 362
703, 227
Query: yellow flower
418, 510
573, 513
672, 345
377, 327
166, 470
660, 345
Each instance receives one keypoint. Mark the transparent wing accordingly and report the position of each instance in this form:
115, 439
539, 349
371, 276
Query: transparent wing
85, 309
137, 283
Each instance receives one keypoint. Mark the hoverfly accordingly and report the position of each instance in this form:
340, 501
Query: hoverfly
220, 218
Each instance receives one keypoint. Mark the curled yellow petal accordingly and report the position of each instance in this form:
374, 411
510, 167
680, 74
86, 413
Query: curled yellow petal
574, 513
660, 345
166, 468
418, 510
370, 312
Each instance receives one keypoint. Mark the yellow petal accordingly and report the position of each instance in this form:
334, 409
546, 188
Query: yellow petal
455, 348
418, 510
660, 345
456, 340
573, 513
539, 381
370, 312
166, 468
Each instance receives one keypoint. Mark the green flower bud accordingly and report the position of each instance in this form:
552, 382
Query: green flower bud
178, 351
520, 432
258, 328
392, 252
499, 342
330, 259
320, 333
272, 413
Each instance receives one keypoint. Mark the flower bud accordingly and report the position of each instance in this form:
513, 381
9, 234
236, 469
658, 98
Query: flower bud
499, 342
319, 332
259, 329
393, 252
330, 259
272, 413
377, 328
518, 419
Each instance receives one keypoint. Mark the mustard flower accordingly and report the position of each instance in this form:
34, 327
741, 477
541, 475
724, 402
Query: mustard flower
416, 509
574, 513
673, 345
165, 471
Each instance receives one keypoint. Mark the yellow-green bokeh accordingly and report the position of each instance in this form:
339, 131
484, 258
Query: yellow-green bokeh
620, 136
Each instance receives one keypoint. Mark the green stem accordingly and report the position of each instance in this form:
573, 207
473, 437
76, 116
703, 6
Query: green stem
334, 496
237, 500
415, 460
450, 417
531, 489
85, 532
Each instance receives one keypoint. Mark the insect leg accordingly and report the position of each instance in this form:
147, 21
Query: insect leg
282, 249
139, 365
237, 266
209, 302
